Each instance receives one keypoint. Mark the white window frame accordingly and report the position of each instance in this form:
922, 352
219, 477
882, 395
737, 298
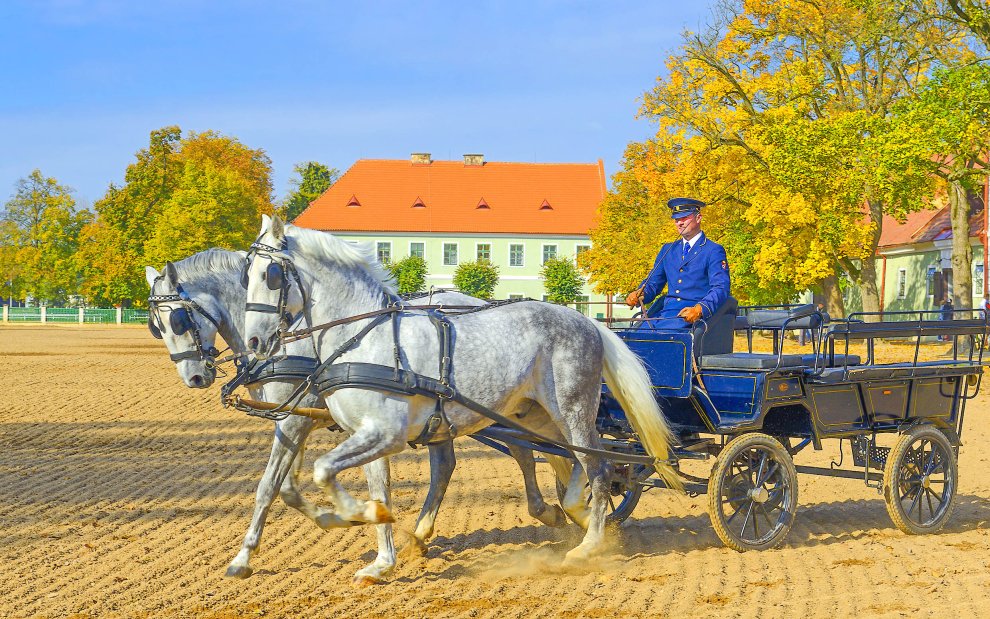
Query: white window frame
457, 254
378, 250
556, 251
522, 264
930, 280
581, 248
902, 283
411, 243
584, 299
978, 269
477, 247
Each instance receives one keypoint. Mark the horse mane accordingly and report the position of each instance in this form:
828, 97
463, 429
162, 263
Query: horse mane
213, 263
322, 245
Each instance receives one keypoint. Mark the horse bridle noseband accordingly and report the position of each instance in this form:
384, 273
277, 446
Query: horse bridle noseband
181, 321
275, 279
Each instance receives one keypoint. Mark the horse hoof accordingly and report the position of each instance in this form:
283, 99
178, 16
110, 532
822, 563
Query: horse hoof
553, 516
376, 513
577, 557
239, 572
363, 582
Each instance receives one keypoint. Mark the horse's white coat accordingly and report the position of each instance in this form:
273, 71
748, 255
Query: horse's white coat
506, 359
212, 278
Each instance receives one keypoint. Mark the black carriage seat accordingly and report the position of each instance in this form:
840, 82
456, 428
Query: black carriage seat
891, 371
837, 360
751, 361
716, 337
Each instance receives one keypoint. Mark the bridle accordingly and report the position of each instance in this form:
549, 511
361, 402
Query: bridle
275, 278
181, 321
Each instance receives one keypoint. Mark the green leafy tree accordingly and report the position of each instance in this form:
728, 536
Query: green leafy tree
409, 274
44, 226
561, 280
477, 279
182, 195
314, 178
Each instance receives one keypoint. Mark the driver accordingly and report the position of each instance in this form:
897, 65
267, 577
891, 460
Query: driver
694, 269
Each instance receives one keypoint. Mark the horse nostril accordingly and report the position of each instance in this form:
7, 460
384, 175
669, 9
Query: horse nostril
253, 344
196, 380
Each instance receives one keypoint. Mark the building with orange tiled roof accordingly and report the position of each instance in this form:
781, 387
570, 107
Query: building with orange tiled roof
914, 266
516, 215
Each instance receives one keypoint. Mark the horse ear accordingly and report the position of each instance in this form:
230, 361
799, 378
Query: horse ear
151, 274
278, 228
266, 222
171, 274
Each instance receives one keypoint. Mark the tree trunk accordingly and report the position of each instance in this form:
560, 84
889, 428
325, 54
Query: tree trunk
962, 252
833, 297
868, 276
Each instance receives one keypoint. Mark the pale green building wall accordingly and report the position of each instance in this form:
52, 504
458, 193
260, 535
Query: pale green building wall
513, 280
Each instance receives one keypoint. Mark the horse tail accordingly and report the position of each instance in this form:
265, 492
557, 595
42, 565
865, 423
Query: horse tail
631, 386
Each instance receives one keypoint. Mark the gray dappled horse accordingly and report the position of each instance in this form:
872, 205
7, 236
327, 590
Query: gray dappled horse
214, 304
540, 365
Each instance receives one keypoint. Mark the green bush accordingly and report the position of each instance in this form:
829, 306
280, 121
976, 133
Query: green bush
409, 274
477, 279
561, 280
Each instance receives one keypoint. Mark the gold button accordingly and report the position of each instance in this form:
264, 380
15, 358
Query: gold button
677, 291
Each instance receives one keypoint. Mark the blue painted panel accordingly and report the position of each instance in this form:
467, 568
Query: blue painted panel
667, 356
736, 395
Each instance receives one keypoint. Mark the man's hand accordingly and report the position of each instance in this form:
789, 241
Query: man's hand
634, 298
690, 314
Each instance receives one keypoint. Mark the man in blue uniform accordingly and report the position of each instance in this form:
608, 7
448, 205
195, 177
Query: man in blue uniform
694, 269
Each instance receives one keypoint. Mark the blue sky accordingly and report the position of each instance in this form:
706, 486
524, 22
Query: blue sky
83, 82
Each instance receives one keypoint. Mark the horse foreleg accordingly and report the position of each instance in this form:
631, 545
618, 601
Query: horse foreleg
550, 515
290, 495
366, 445
379, 488
442, 462
289, 436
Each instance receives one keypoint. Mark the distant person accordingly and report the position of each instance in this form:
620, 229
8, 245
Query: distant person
946, 314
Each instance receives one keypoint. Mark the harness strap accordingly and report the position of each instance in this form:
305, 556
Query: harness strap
357, 375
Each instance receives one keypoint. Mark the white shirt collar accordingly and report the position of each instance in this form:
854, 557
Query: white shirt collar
694, 239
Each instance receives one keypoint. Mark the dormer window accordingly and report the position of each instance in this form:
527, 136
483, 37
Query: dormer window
419, 203
482, 204
353, 201
546, 206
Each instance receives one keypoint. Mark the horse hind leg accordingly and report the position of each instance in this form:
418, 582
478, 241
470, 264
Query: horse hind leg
575, 499
550, 515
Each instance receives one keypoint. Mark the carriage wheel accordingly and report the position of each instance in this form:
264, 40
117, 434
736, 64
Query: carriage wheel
919, 480
752, 493
624, 492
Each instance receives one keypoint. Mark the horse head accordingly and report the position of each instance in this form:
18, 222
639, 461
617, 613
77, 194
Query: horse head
274, 291
185, 321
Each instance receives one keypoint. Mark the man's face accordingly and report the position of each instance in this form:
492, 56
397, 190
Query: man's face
688, 226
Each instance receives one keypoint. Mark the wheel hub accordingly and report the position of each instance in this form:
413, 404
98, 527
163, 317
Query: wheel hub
759, 495
926, 482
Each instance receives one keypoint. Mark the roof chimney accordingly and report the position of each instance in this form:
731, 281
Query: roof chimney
420, 159
474, 159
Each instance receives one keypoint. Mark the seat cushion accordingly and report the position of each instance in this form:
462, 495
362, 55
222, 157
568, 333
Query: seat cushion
749, 361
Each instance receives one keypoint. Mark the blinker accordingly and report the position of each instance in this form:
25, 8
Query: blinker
180, 321
274, 276
155, 331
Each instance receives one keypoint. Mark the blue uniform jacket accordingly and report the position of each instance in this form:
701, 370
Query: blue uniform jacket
702, 278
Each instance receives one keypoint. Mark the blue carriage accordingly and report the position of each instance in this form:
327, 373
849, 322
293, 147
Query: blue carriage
754, 412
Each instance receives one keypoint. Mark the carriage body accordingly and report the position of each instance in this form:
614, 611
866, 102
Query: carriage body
749, 409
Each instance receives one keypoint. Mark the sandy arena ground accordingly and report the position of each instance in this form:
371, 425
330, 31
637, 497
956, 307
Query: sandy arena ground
124, 494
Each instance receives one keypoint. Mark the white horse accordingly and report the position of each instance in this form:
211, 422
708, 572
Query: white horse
214, 304
538, 364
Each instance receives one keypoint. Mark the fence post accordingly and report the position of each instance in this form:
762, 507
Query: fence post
81, 315
44, 314
120, 315
5, 315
